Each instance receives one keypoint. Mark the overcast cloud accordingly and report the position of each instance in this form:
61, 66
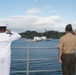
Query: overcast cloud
31, 21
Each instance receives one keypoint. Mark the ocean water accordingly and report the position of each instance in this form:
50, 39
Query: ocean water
21, 53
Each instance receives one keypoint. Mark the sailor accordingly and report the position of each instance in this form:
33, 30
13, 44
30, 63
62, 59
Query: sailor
66, 51
5, 48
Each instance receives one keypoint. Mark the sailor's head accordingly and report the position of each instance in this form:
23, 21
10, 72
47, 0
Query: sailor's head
68, 28
3, 27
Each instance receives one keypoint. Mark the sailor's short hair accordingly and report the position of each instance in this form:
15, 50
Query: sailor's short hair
68, 27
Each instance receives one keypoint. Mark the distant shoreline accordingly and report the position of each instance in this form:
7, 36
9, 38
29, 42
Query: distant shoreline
48, 34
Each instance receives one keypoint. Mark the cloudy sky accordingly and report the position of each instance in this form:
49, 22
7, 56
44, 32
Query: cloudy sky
38, 15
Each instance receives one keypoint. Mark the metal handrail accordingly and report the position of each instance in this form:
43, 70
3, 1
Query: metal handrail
28, 59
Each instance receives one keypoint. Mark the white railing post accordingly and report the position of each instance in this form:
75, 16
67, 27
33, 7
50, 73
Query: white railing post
28, 53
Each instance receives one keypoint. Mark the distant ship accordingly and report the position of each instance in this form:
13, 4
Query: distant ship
37, 39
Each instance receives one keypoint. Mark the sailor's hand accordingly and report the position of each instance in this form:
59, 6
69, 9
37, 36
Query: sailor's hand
8, 30
60, 61
73, 32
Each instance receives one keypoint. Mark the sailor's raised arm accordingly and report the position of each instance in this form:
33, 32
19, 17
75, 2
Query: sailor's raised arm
74, 32
13, 35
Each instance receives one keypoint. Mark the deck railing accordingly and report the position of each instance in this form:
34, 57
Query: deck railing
27, 71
